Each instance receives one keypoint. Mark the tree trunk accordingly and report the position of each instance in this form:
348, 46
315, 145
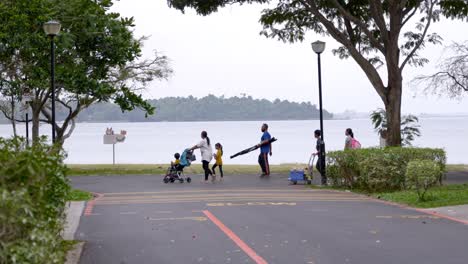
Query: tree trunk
393, 109
35, 124
59, 138
13, 116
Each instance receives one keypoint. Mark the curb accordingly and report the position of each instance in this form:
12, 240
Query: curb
90, 204
420, 210
74, 255
73, 213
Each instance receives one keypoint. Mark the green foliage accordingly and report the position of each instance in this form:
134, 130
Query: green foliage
33, 190
209, 108
376, 34
381, 172
409, 126
79, 195
376, 169
98, 59
421, 175
437, 196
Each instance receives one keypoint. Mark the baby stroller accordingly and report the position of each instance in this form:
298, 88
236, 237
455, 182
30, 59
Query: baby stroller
176, 172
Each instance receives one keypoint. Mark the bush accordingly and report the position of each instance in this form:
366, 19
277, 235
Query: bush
421, 175
376, 169
33, 189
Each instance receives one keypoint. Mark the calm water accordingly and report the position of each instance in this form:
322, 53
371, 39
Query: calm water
157, 142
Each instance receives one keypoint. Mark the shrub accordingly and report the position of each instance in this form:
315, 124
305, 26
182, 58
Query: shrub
375, 169
33, 189
381, 172
421, 175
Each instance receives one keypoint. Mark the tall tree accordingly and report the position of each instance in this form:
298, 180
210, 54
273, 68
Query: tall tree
451, 79
382, 36
98, 59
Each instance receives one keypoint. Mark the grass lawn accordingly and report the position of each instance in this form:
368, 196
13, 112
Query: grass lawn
79, 195
158, 169
436, 197
148, 169
457, 167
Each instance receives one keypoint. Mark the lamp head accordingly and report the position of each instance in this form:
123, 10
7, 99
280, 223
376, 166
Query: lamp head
52, 28
318, 46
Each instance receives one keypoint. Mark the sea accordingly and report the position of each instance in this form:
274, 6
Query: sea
156, 142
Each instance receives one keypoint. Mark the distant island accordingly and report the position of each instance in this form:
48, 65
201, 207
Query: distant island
209, 108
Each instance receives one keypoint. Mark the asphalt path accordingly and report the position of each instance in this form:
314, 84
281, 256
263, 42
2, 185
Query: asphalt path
456, 177
247, 219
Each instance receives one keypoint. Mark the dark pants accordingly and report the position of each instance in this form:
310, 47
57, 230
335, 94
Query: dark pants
220, 169
319, 166
263, 161
206, 167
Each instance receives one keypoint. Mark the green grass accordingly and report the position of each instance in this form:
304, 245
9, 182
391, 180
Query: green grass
68, 245
457, 167
158, 169
148, 169
436, 197
79, 195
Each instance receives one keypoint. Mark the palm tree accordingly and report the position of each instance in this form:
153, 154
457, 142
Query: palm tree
409, 126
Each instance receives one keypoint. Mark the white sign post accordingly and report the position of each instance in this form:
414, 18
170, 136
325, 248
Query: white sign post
111, 138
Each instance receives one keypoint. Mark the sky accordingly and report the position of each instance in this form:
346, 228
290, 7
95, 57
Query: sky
224, 54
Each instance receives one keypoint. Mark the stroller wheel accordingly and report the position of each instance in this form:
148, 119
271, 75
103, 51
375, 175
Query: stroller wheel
181, 180
166, 180
189, 179
294, 182
172, 180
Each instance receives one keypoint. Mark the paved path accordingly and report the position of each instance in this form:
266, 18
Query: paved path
245, 219
456, 177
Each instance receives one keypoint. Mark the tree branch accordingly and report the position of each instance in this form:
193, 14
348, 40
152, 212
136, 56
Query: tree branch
367, 67
355, 20
408, 17
377, 13
421, 40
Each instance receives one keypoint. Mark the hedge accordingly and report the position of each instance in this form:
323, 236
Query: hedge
421, 175
377, 169
33, 191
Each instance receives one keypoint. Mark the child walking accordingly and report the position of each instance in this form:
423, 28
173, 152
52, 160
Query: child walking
219, 160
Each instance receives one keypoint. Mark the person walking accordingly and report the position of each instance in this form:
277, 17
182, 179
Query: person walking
218, 160
265, 150
206, 154
320, 162
350, 141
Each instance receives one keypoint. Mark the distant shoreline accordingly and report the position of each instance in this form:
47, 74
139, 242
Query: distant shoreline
263, 120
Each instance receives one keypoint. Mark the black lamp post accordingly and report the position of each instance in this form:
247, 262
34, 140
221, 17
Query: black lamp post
52, 28
318, 47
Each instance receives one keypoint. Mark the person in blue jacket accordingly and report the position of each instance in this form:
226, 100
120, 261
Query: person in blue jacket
265, 150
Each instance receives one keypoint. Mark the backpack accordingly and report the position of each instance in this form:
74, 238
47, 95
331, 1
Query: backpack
355, 144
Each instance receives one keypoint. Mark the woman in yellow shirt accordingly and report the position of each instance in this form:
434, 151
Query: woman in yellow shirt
219, 160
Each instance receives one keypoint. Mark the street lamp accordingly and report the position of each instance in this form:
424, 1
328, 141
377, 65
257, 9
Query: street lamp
318, 47
52, 28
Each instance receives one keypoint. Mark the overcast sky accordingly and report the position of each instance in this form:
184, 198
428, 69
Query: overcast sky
223, 54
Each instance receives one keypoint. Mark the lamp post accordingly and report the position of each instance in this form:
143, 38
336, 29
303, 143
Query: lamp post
318, 47
52, 28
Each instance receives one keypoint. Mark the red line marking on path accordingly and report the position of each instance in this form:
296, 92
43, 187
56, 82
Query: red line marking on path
249, 251
90, 204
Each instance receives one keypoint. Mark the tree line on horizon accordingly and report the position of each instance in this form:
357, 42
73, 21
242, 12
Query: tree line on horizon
208, 108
